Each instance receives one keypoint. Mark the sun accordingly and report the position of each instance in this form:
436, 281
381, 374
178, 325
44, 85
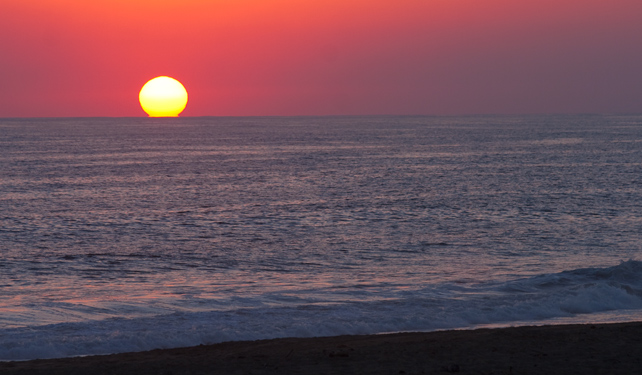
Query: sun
163, 97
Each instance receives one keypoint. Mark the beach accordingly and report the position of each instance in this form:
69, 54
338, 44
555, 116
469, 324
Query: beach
125, 235
555, 349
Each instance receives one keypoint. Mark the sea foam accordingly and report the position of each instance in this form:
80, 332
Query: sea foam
576, 295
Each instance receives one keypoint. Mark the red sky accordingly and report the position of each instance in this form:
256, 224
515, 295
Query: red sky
322, 57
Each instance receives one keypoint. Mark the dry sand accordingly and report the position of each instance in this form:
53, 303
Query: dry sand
569, 349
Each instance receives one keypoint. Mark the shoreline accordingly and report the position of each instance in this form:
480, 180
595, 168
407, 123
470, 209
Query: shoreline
550, 349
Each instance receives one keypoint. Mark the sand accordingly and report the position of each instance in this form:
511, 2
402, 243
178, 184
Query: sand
567, 349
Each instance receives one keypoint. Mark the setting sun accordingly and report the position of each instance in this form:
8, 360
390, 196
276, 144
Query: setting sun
163, 97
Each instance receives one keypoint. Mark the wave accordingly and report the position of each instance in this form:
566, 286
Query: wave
576, 294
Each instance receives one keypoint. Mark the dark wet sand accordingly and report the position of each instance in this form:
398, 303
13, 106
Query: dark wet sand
569, 349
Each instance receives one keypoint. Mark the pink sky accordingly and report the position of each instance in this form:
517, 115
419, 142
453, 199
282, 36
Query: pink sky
322, 57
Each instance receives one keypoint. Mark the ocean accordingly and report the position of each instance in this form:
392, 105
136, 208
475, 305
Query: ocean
130, 234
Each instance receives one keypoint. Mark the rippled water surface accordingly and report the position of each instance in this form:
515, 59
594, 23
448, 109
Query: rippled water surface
244, 228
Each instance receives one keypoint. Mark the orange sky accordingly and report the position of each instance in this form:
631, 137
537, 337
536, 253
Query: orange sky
320, 57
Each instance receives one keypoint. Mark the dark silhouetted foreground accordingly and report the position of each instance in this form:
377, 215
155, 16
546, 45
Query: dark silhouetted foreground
571, 349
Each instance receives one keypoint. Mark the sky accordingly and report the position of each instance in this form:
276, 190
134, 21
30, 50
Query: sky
322, 57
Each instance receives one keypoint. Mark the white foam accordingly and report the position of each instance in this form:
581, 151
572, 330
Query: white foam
573, 296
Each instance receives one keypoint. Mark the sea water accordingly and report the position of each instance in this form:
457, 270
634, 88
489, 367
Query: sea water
129, 234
